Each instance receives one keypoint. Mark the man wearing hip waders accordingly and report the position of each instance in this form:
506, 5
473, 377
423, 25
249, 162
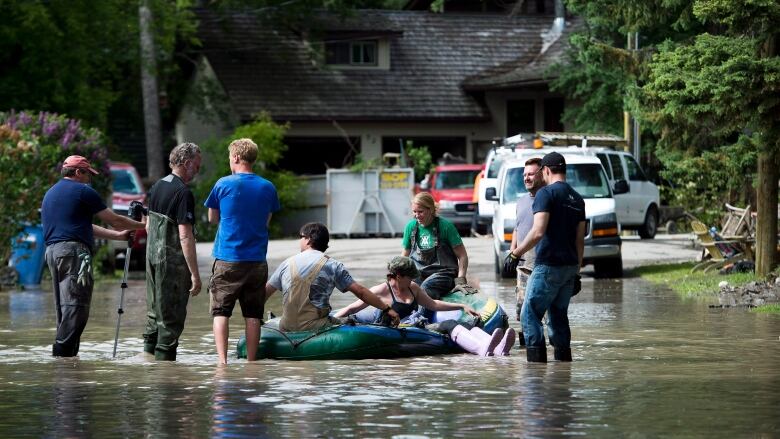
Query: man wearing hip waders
172, 274
66, 214
558, 232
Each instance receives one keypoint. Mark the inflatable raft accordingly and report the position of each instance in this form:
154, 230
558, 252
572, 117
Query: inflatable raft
362, 341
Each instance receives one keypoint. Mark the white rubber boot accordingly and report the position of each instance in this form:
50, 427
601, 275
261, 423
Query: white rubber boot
506, 343
499, 334
473, 343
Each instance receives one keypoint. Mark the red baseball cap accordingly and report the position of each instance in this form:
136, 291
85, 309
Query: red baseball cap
77, 161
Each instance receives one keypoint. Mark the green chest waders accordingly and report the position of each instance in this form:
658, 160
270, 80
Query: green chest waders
167, 287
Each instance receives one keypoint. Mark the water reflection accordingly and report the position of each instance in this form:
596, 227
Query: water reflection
646, 364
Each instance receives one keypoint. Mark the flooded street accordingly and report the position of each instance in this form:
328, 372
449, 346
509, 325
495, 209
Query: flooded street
646, 364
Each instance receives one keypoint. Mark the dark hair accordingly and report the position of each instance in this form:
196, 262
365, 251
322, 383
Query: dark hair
68, 172
534, 161
558, 169
317, 234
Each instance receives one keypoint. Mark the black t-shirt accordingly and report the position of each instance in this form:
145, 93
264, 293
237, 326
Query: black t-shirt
566, 207
174, 199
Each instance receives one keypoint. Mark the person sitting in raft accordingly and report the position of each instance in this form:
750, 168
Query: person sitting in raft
307, 281
435, 246
404, 296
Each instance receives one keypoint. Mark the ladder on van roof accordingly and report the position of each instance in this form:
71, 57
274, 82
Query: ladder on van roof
550, 138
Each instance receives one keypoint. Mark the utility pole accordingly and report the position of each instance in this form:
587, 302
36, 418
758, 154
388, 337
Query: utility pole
630, 124
152, 124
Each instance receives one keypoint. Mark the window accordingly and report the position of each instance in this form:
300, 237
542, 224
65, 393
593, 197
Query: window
520, 117
124, 181
553, 112
514, 187
456, 179
617, 167
353, 53
634, 171
605, 163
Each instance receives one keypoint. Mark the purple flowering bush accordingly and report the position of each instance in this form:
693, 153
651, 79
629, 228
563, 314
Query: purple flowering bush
32, 149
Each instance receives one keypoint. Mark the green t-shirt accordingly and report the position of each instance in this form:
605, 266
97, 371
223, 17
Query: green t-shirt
425, 239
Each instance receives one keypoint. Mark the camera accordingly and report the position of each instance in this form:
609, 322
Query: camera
136, 210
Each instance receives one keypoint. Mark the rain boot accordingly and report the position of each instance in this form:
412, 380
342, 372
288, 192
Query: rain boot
562, 354
536, 354
473, 344
505, 345
520, 340
498, 334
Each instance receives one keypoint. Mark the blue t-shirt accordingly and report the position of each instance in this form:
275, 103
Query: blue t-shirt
67, 211
244, 202
566, 207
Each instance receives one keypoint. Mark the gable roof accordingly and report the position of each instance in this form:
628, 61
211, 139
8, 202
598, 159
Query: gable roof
265, 68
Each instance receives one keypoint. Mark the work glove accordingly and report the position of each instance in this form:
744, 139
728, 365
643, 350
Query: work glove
510, 263
85, 269
577, 285
462, 286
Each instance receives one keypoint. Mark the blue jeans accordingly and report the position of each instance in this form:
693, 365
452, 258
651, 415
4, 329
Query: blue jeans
549, 289
438, 285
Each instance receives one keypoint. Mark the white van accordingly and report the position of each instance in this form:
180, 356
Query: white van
585, 174
509, 149
637, 201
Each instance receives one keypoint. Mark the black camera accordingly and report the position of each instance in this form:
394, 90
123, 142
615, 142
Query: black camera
136, 210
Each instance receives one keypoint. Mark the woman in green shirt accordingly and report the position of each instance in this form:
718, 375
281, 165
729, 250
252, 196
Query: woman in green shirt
435, 246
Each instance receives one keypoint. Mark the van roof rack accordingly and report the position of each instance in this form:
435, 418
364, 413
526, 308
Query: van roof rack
567, 139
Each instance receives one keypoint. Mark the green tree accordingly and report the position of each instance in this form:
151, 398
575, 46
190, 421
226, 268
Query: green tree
269, 137
720, 86
81, 57
703, 84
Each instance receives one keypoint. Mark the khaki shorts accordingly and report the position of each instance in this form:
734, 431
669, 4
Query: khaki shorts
242, 281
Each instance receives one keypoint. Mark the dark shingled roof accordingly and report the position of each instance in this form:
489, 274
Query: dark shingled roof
264, 68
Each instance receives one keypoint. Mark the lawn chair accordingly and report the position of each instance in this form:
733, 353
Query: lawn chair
721, 251
737, 222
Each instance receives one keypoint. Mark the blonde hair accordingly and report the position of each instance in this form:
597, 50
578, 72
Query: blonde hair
245, 149
425, 200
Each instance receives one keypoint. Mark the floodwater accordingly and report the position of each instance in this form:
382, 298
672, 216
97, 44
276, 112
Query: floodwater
646, 364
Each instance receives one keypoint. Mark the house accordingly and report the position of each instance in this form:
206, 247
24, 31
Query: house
362, 84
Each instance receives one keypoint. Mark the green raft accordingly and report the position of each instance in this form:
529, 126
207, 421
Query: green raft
363, 341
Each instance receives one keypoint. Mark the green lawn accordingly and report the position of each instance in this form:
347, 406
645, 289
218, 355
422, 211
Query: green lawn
679, 278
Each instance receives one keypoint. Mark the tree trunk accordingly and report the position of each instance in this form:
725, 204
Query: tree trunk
766, 227
152, 124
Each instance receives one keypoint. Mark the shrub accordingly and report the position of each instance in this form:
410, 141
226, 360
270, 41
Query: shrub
269, 137
32, 149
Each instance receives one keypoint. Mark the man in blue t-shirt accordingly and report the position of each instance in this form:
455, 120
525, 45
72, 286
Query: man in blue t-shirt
66, 214
558, 232
242, 205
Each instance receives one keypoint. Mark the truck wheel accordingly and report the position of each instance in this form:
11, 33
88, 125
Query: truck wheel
650, 227
608, 267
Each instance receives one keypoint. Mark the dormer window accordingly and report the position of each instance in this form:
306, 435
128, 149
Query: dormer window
361, 53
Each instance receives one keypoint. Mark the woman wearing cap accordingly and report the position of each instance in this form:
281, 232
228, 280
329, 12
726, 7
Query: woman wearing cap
404, 296
435, 246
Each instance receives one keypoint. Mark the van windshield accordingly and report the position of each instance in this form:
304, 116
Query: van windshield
587, 179
456, 179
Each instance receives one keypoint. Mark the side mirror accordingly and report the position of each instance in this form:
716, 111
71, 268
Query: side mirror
425, 184
621, 187
490, 194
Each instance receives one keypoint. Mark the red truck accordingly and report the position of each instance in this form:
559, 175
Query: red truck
452, 186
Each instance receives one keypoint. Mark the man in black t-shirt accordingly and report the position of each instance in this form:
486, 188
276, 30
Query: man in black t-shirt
171, 262
558, 233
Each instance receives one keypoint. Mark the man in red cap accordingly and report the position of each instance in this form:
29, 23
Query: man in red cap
66, 213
